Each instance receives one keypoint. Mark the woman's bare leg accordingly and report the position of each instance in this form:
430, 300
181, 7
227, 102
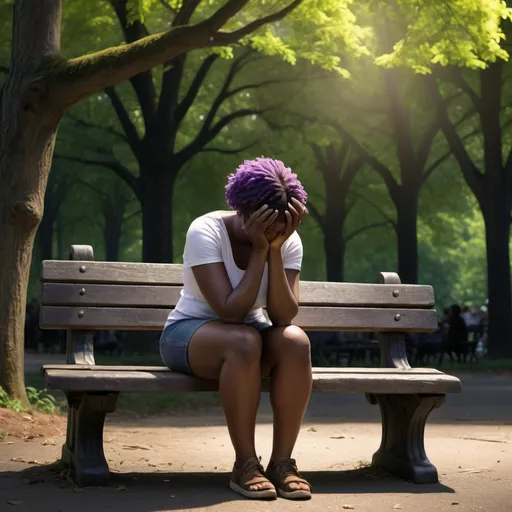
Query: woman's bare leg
287, 356
231, 354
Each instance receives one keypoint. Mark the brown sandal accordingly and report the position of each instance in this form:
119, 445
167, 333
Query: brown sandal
251, 473
284, 472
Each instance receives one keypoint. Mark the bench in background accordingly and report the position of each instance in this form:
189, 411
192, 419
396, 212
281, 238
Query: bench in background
81, 296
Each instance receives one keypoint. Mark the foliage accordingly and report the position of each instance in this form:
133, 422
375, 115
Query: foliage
462, 32
8, 403
38, 399
41, 401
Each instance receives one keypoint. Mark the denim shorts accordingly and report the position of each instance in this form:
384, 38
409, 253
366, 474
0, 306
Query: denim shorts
176, 337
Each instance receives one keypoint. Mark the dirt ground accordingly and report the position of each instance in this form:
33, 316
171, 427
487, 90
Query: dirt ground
182, 462
30, 426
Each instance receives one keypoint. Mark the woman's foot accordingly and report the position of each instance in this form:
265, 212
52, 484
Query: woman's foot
289, 483
249, 480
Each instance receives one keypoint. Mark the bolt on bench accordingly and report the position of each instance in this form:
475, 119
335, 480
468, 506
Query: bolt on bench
82, 295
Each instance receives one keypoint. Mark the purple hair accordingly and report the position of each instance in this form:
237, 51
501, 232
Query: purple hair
263, 181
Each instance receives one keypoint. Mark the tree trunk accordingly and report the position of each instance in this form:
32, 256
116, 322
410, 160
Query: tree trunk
27, 137
334, 246
157, 184
497, 230
113, 232
407, 236
45, 235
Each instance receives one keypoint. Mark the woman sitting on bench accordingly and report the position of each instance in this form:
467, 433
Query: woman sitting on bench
235, 264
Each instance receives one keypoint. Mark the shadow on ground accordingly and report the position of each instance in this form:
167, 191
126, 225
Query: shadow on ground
151, 492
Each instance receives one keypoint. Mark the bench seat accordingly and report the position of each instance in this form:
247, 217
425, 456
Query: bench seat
325, 380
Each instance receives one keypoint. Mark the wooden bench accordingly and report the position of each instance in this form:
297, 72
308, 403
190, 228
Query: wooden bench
82, 295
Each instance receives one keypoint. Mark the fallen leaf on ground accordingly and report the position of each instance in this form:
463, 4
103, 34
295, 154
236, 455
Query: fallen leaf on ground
337, 437
35, 462
455, 502
135, 447
9, 442
349, 507
18, 459
15, 502
49, 442
312, 429
397, 507
121, 488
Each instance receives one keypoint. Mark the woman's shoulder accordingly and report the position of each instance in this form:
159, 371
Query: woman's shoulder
294, 240
208, 223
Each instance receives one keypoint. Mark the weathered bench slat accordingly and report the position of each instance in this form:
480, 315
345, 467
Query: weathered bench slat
317, 371
339, 382
311, 318
112, 272
311, 293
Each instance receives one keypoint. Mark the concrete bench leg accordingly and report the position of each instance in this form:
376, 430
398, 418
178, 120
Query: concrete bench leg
402, 450
83, 451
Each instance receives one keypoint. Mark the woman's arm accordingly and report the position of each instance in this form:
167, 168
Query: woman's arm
231, 305
283, 290
283, 284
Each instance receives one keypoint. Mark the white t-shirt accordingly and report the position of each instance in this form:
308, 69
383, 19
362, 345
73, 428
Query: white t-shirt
208, 242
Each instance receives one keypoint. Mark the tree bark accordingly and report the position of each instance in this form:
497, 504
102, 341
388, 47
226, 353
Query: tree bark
157, 186
113, 232
45, 235
497, 233
28, 125
407, 236
334, 246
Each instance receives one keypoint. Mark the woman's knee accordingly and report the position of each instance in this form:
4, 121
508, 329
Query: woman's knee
290, 341
245, 344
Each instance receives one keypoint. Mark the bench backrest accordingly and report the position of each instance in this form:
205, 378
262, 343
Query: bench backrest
84, 294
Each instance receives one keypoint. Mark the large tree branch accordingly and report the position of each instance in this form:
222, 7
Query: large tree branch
374, 162
132, 136
224, 90
362, 229
229, 151
400, 119
315, 213
455, 76
378, 208
443, 158
169, 94
78, 121
185, 13
425, 144
195, 86
169, 7
75, 79
205, 137
470, 171
142, 83
224, 38
115, 165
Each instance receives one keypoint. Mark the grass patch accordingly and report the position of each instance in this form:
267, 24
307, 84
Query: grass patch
3, 435
39, 401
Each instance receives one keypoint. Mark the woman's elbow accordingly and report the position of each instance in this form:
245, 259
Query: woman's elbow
285, 318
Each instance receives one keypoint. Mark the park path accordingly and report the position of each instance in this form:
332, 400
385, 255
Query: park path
182, 461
